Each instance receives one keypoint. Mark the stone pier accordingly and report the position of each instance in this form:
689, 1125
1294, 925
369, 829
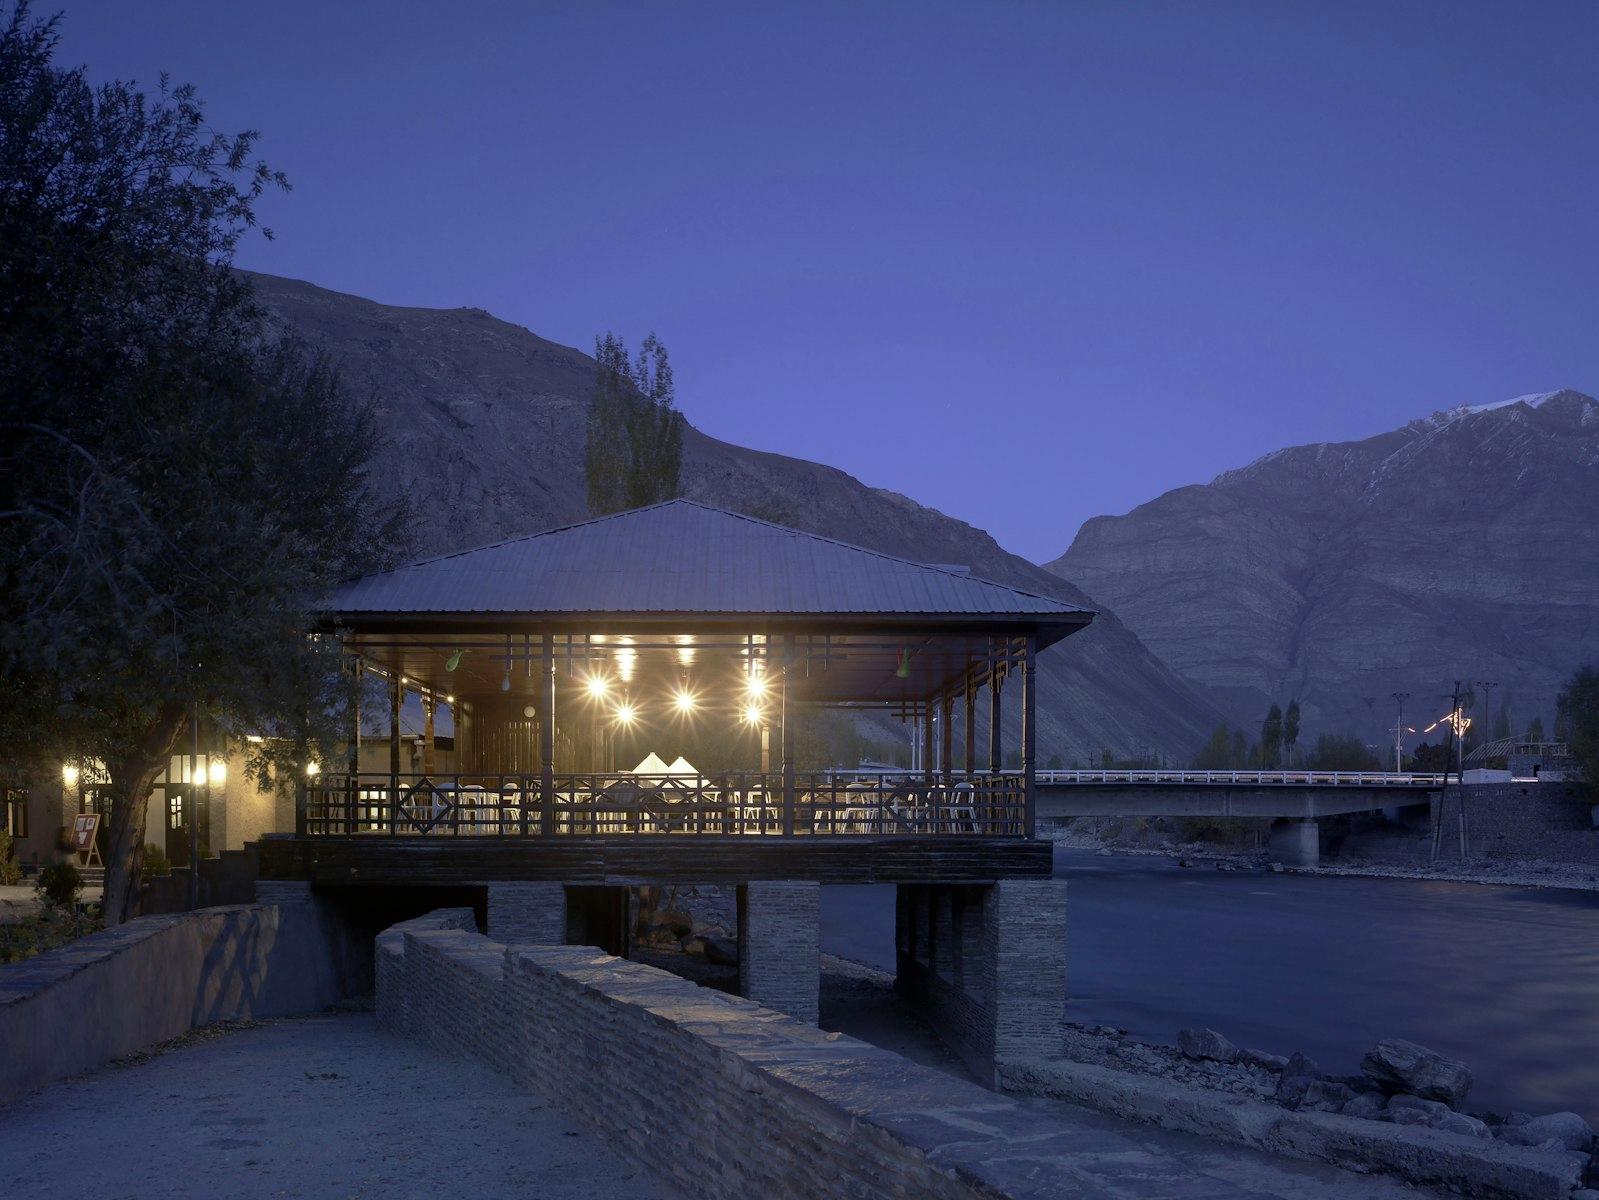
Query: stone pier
528, 914
986, 965
1295, 842
779, 951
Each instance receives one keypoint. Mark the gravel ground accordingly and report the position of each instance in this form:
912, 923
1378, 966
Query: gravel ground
323, 1107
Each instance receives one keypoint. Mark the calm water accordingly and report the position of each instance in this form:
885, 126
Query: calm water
1506, 979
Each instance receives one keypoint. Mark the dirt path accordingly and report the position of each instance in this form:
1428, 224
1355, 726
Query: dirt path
318, 1107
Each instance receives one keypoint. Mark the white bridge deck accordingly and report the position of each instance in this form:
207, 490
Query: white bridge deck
1363, 779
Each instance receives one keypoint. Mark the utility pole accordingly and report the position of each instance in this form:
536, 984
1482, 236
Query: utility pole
1487, 686
1399, 732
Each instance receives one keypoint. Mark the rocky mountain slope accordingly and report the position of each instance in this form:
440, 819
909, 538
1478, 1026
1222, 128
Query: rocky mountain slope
1465, 545
486, 422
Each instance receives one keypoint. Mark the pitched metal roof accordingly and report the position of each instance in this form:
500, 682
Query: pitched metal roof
683, 557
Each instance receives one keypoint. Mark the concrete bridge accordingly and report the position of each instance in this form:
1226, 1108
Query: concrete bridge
1295, 800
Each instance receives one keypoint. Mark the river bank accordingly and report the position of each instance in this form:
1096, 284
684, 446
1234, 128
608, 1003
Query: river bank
1501, 977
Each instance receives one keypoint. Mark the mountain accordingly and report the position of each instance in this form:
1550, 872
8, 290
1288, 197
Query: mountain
485, 424
1463, 546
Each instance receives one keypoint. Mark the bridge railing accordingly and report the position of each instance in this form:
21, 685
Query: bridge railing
1367, 779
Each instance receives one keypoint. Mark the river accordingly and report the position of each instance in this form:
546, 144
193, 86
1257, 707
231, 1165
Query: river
1504, 978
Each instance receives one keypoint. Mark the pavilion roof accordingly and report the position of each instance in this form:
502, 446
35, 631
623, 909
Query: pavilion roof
685, 558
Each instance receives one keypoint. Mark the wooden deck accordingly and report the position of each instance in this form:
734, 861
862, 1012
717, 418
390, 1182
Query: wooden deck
382, 860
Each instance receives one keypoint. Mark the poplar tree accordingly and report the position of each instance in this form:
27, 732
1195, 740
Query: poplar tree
1271, 738
633, 453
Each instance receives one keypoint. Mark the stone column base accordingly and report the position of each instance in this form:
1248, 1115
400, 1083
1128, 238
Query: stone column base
528, 914
779, 950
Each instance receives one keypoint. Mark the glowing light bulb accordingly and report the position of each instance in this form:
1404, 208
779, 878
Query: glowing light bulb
683, 702
69, 775
756, 685
216, 772
625, 713
752, 714
596, 685
313, 768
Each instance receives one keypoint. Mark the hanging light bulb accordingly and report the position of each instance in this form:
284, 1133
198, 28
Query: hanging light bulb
596, 686
752, 714
626, 714
683, 701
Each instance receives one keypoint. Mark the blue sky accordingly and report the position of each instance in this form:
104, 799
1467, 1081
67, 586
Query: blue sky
1026, 263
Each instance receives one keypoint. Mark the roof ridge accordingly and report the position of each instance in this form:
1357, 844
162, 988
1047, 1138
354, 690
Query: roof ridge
965, 577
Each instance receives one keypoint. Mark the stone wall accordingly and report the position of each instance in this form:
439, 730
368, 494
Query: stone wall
148, 981
986, 965
722, 1098
1523, 820
1546, 821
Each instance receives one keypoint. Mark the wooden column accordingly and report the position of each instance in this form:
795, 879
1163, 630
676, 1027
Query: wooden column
1029, 733
996, 747
429, 760
946, 749
786, 740
970, 731
396, 695
927, 739
546, 740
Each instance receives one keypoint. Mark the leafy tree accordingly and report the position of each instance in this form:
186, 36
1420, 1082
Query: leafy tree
1579, 702
1428, 757
1502, 721
1217, 753
1271, 738
1240, 748
175, 483
1291, 729
1535, 730
633, 454
1341, 752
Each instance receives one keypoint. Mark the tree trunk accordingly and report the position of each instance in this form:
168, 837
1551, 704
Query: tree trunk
132, 780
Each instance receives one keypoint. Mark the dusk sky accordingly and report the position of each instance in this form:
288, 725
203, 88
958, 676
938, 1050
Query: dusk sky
1025, 263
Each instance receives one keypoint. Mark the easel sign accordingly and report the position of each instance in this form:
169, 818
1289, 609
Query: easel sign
84, 827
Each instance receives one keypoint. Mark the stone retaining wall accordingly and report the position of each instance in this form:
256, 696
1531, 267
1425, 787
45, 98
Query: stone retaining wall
719, 1096
155, 978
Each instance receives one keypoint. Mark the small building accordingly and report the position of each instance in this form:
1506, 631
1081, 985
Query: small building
550, 651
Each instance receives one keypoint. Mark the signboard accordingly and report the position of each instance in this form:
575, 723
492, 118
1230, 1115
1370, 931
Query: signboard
84, 827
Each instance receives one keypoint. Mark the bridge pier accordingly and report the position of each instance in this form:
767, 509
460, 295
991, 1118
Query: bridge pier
1295, 842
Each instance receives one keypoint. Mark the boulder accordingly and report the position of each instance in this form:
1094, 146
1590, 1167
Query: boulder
1405, 1109
1461, 1123
1398, 1066
1302, 1065
1567, 1129
1259, 1058
721, 951
1323, 1095
1367, 1105
1207, 1044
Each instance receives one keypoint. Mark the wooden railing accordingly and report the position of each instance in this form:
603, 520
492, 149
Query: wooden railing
729, 805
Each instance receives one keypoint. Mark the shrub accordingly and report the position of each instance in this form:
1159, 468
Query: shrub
155, 860
59, 884
10, 868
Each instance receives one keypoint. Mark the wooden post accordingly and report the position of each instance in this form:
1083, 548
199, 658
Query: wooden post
971, 726
429, 761
396, 695
786, 740
927, 740
996, 748
1029, 734
547, 742
946, 749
